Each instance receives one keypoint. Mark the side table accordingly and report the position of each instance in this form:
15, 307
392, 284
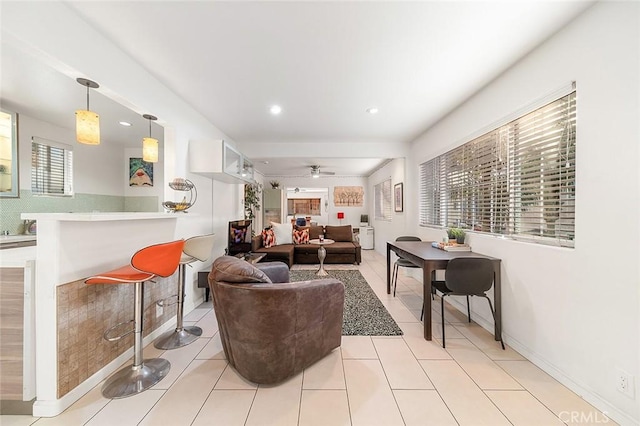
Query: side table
322, 254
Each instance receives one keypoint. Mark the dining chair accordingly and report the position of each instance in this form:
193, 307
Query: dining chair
466, 276
402, 262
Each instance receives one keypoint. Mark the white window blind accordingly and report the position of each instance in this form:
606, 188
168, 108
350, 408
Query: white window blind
51, 168
382, 200
518, 179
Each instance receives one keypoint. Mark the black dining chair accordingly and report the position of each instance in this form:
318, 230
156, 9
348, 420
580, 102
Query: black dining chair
466, 276
402, 262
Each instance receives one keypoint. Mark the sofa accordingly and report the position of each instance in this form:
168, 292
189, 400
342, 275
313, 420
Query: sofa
272, 329
344, 250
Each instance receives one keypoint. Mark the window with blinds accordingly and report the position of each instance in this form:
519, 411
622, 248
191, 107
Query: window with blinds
517, 180
382, 200
51, 168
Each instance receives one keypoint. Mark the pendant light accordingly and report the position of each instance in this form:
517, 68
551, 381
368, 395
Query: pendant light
87, 121
150, 145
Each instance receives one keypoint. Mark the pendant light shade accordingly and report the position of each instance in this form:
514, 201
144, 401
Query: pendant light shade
150, 145
87, 121
150, 150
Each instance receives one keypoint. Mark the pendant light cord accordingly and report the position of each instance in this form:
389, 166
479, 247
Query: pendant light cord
88, 109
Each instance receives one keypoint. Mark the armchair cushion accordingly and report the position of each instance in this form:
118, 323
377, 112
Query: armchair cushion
234, 270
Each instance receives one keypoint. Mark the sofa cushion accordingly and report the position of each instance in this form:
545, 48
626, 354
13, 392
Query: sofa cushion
340, 248
338, 233
233, 270
283, 233
315, 232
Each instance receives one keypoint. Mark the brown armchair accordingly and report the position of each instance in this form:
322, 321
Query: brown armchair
273, 330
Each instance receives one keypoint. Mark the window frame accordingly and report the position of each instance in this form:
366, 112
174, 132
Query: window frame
507, 181
46, 154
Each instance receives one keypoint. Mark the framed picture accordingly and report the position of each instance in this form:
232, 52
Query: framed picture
397, 196
140, 172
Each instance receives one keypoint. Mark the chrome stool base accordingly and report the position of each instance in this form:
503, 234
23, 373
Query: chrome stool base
173, 339
133, 380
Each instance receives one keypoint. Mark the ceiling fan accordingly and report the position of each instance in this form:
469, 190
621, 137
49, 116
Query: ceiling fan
315, 172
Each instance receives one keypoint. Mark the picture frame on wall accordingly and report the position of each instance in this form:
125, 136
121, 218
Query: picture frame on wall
398, 197
140, 172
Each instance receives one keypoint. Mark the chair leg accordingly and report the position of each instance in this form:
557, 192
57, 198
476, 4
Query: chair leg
395, 278
494, 319
442, 313
422, 312
143, 373
181, 336
468, 308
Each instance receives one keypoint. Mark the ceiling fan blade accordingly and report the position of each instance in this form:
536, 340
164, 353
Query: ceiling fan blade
328, 173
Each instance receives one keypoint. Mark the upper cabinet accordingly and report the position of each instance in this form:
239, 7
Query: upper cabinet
220, 161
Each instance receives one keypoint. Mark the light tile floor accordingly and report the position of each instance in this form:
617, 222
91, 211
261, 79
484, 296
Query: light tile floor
368, 381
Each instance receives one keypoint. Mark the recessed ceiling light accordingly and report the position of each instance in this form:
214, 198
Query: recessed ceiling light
124, 123
266, 161
275, 109
372, 110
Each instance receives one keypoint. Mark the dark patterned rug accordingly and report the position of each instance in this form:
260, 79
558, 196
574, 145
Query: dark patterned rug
364, 314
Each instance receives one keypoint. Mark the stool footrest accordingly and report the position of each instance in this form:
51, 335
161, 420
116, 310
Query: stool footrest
167, 301
105, 335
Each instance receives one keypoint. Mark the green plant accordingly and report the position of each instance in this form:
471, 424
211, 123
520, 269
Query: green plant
274, 184
252, 193
456, 233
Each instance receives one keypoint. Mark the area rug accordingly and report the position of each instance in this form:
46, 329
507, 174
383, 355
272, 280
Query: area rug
364, 314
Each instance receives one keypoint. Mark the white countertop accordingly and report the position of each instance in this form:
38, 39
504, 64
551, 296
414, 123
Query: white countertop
17, 238
96, 217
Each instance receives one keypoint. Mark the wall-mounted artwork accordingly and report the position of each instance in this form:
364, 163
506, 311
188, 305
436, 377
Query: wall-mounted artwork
348, 196
398, 197
140, 172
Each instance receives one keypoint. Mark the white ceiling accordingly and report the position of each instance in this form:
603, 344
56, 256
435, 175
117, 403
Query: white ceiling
325, 63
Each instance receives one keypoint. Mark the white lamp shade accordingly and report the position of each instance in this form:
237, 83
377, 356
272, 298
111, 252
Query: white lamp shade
150, 150
87, 127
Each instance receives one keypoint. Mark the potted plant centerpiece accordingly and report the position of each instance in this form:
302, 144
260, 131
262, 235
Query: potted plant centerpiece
456, 235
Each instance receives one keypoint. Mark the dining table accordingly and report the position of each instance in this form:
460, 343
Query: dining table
424, 255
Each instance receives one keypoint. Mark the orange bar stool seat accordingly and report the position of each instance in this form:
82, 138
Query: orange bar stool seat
195, 248
159, 260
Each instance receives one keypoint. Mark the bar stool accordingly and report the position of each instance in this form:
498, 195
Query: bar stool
152, 261
195, 248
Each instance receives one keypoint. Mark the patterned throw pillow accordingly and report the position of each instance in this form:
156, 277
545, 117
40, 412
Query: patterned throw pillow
268, 238
301, 236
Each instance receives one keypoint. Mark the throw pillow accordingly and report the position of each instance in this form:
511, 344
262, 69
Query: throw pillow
233, 270
301, 236
268, 238
283, 233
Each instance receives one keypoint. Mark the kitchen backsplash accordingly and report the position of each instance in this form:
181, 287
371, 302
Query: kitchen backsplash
12, 208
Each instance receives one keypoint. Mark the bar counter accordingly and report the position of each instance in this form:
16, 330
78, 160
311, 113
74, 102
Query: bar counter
70, 316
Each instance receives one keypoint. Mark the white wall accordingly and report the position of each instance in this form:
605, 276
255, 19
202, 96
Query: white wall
389, 230
573, 312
